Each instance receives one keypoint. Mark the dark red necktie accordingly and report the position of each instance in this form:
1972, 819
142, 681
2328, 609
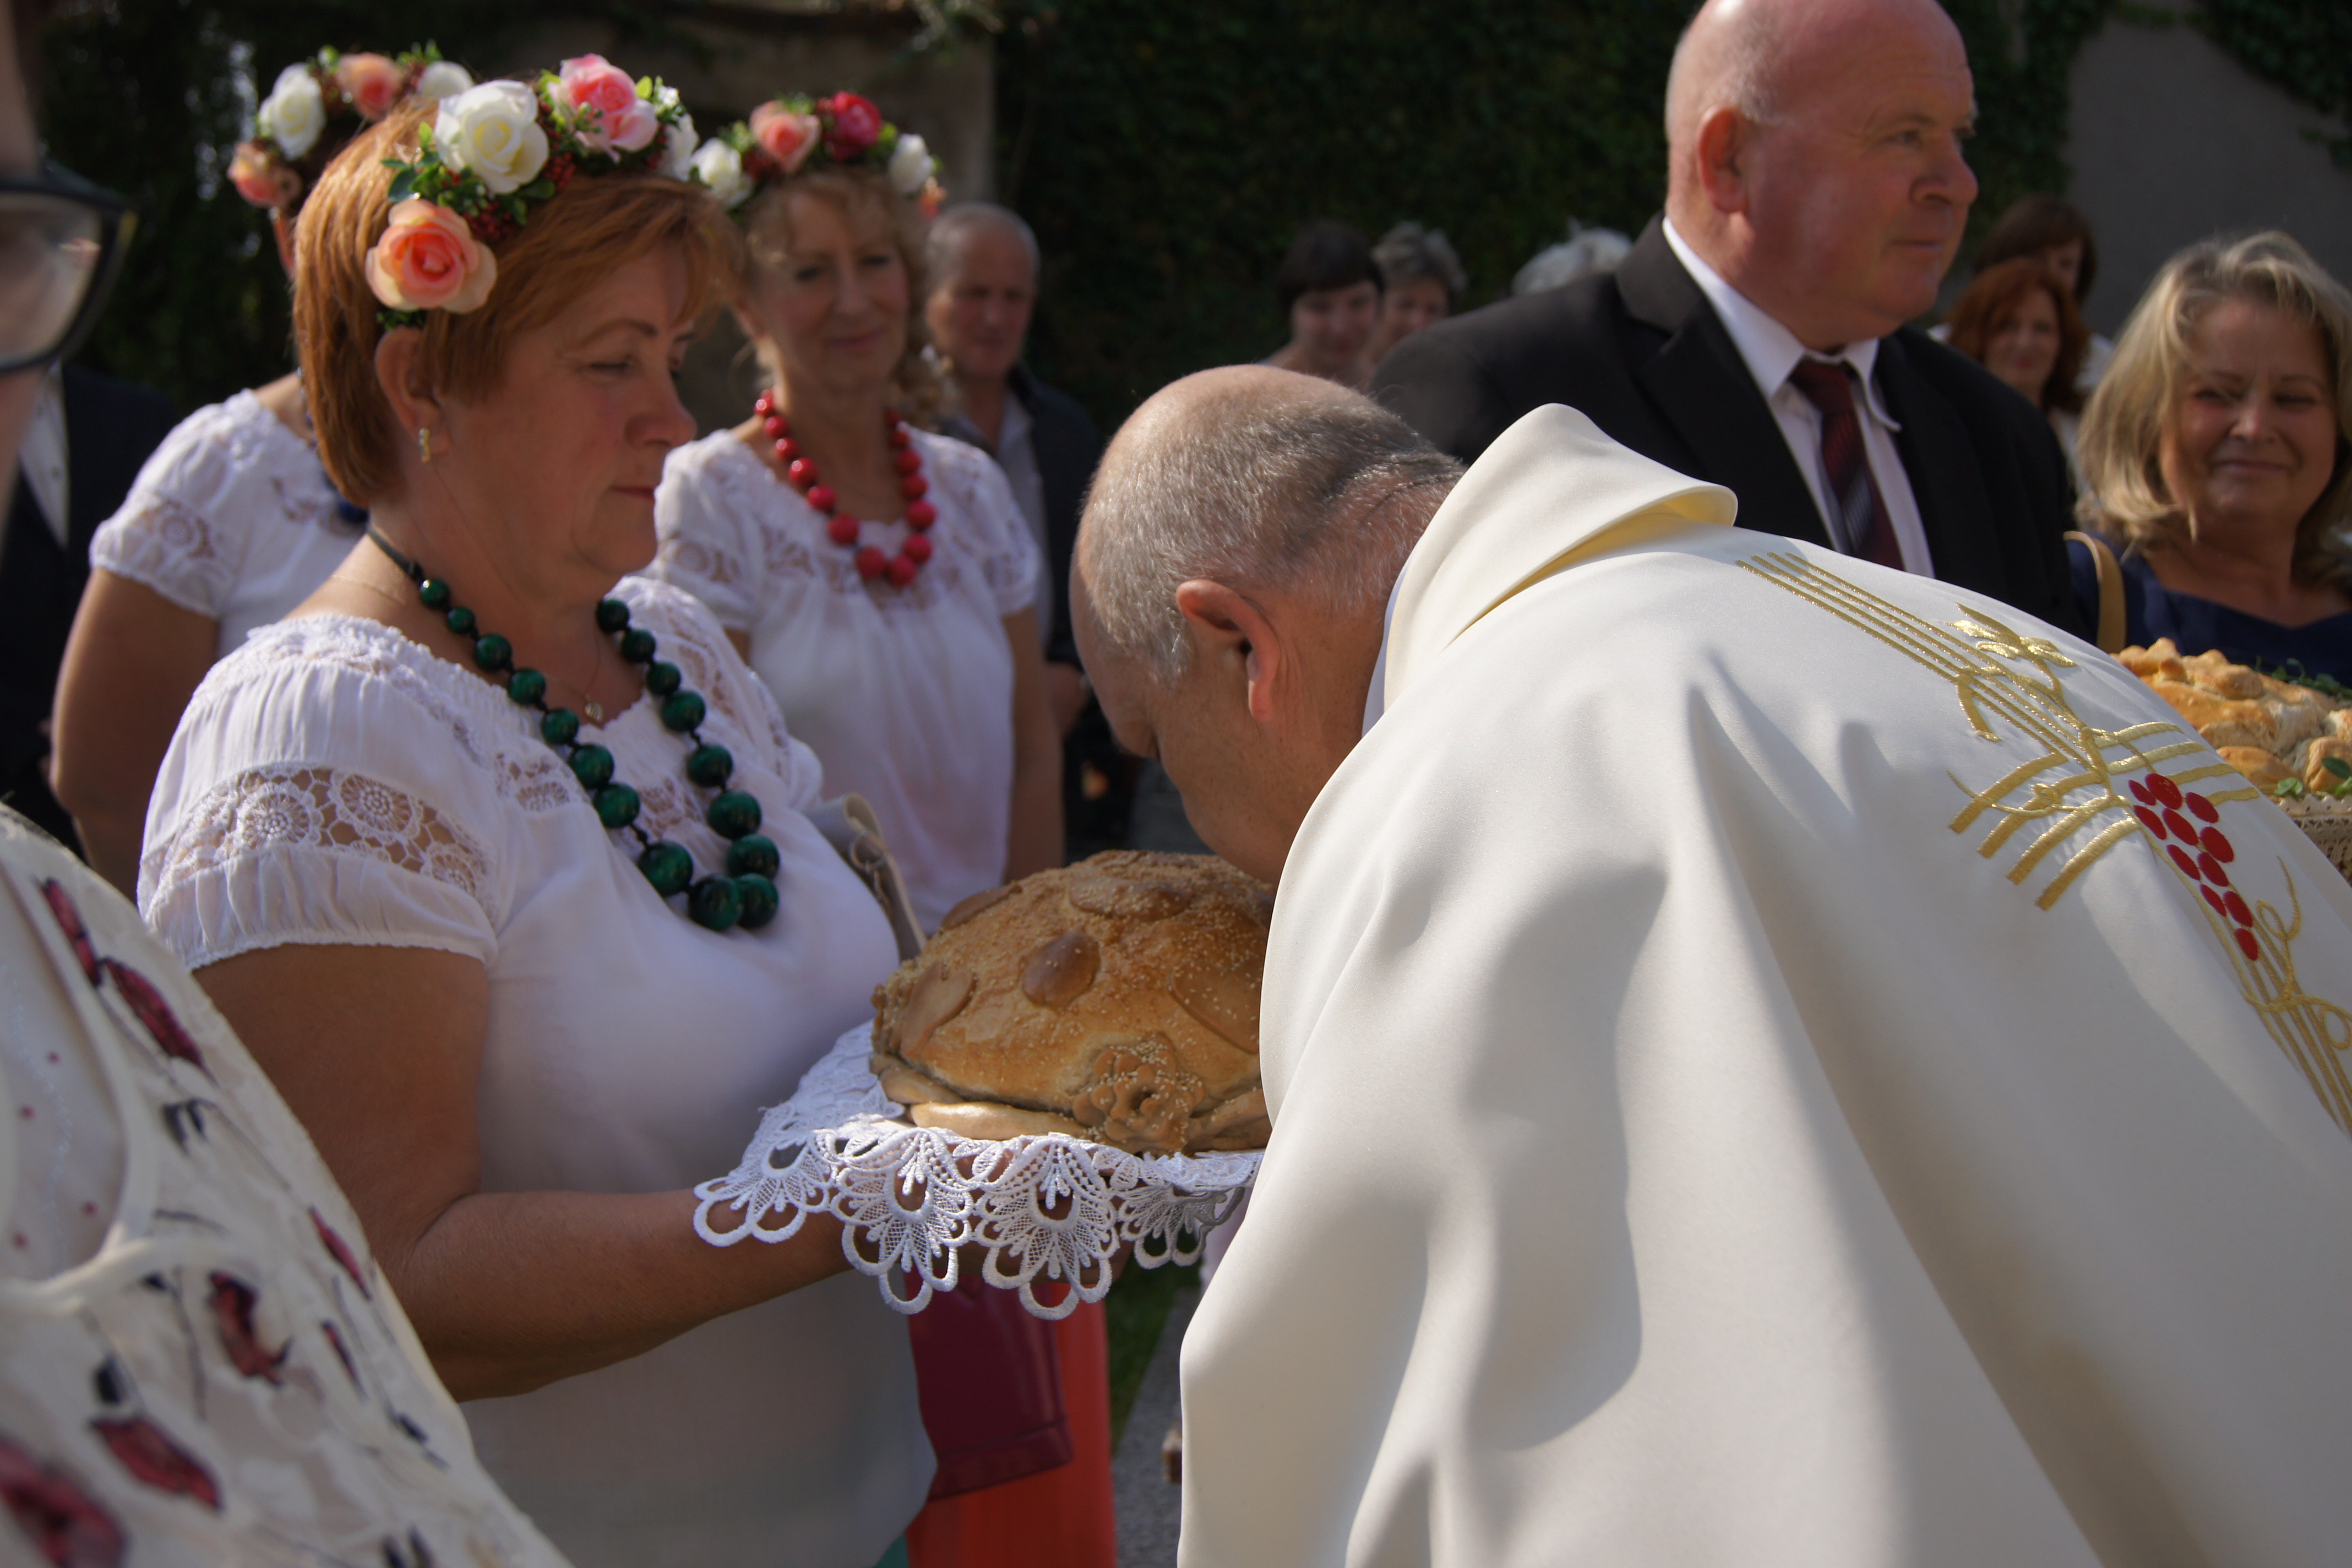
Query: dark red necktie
1861, 512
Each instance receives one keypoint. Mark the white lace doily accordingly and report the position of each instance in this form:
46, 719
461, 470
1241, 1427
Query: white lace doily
1044, 1207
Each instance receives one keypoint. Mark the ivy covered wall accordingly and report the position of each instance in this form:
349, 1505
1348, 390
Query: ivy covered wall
1165, 152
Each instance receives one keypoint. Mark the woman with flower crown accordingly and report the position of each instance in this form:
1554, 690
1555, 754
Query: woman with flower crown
232, 522
879, 577
496, 856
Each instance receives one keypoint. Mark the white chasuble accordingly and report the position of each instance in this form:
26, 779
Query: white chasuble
1774, 1060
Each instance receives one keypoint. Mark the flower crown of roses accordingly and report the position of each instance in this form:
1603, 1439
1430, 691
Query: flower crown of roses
498, 149
787, 135
328, 87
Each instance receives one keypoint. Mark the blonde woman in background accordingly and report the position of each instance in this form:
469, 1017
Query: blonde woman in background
881, 579
2216, 457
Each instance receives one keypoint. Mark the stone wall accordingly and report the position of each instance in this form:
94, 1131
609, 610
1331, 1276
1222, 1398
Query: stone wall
2172, 140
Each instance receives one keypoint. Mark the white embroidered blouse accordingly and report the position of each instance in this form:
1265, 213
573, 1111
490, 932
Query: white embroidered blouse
335, 783
200, 1363
231, 517
907, 694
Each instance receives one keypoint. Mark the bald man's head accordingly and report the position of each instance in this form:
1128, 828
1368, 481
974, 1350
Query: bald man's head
1258, 477
1813, 157
1233, 567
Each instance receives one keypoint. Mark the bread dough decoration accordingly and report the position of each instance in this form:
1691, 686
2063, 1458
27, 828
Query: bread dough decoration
1114, 1000
2267, 729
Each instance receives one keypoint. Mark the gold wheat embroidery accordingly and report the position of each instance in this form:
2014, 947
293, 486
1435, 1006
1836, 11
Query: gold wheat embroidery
2067, 786
2009, 682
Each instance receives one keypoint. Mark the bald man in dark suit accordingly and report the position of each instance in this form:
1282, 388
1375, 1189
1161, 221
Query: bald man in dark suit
1755, 336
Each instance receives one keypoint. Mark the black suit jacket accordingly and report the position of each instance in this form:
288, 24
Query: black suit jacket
1643, 354
1069, 446
111, 427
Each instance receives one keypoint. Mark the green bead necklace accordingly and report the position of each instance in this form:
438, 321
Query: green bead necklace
745, 894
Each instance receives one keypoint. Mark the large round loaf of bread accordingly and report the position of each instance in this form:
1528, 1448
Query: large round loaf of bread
1116, 999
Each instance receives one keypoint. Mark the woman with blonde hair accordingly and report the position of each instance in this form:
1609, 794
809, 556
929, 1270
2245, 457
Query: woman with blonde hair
881, 579
496, 858
2216, 460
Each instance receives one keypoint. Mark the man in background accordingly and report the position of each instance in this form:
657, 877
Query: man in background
984, 265
1755, 336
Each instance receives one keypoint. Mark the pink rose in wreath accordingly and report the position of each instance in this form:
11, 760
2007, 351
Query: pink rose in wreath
856, 125
262, 178
612, 118
786, 137
428, 260
371, 82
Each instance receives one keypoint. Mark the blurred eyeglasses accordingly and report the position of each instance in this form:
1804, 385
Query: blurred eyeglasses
61, 243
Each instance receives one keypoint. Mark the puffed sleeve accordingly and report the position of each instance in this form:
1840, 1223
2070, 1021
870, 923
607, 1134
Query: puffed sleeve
184, 527
706, 514
969, 479
319, 791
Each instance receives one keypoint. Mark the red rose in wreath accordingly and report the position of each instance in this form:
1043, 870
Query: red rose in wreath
856, 125
66, 1526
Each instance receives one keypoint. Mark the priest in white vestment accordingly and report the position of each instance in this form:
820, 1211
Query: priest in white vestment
1773, 1060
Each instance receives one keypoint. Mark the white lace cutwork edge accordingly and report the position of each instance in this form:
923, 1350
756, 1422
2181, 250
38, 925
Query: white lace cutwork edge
1047, 1207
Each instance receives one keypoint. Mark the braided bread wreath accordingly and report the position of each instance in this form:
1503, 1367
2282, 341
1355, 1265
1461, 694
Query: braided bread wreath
1116, 1000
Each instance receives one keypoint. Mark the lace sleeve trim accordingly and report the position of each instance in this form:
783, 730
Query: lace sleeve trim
165, 545
295, 807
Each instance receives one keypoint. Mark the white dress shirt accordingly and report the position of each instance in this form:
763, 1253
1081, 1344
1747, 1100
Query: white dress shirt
1772, 352
43, 455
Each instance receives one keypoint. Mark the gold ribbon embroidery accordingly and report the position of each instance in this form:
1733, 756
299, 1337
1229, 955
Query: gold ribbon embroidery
2068, 786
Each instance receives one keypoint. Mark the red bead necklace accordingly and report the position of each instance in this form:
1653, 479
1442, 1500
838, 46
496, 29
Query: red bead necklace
915, 550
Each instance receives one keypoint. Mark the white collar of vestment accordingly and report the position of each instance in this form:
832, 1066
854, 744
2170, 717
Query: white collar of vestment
1550, 493
1770, 350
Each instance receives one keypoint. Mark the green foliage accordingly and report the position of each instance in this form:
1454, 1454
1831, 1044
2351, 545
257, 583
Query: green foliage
2302, 46
1166, 154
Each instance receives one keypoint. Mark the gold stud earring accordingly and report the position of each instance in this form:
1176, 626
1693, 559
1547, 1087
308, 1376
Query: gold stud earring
425, 445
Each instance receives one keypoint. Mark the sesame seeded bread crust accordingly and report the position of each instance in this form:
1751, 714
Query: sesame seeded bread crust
1116, 1000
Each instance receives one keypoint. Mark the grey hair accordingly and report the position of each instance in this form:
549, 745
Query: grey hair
945, 249
1722, 60
1322, 501
1409, 251
1584, 250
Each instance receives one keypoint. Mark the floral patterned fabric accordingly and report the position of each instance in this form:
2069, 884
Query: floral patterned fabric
200, 1363
232, 516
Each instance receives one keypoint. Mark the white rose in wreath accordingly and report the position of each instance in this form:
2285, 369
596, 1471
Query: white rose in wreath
494, 130
443, 79
678, 148
294, 112
910, 165
720, 167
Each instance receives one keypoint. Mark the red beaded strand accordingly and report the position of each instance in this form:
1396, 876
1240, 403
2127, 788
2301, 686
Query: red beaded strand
897, 570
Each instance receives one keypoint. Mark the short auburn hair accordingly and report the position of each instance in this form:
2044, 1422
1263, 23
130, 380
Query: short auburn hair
2040, 223
573, 241
1993, 298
